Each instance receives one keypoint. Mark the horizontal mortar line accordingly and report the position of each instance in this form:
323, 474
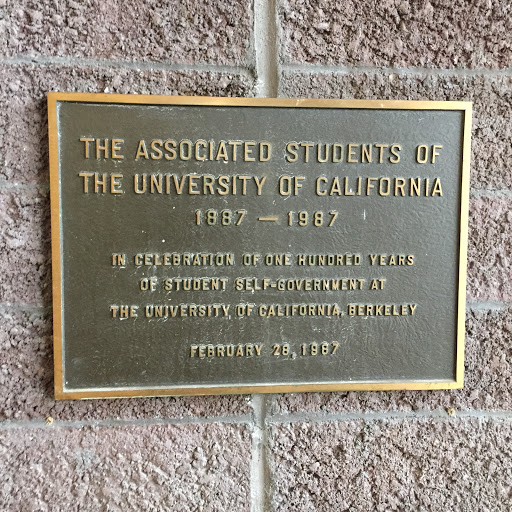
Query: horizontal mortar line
491, 193
339, 69
13, 185
475, 305
8, 307
244, 419
312, 417
126, 64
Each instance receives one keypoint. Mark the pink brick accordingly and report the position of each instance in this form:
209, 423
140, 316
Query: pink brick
185, 32
434, 465
23, 89
490, 250
187, 467
442, 34
25, 247
26, 379
488, 379
492, 98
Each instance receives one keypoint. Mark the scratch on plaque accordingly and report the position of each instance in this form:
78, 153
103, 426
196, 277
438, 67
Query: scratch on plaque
364, 214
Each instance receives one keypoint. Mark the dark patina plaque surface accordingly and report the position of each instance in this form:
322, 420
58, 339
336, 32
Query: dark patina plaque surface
210, 245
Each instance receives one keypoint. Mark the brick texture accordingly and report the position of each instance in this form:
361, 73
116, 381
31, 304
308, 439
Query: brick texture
164, 31
25, 247
490, 250
492, 97
23, 123
438, 34
488, 379
431, 465
26, 377
151, 468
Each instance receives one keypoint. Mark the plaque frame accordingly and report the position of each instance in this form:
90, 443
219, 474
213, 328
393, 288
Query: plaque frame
56, 237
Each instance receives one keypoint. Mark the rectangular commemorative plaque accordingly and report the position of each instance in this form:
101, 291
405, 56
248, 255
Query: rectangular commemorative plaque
215, 245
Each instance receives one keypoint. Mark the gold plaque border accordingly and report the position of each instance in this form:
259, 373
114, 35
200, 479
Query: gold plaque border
56, 97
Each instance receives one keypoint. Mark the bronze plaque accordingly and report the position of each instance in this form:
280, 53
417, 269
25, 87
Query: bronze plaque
214, 245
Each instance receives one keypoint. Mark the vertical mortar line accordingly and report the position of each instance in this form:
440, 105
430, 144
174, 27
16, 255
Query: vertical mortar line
260, 473
267, 77
265, 48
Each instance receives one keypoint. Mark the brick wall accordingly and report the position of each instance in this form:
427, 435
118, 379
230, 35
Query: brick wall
445, 450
